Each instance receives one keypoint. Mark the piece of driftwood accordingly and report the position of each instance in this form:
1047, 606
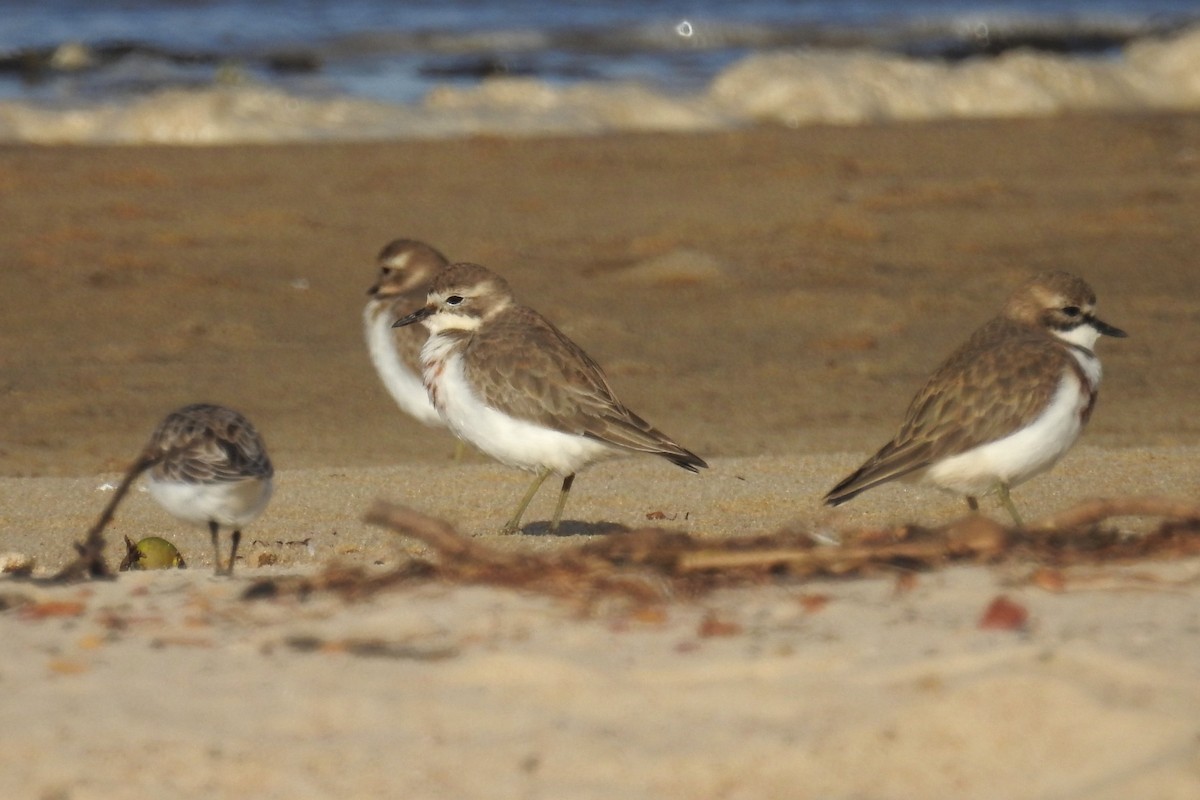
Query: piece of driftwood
89, 559
652, 564
1093, 512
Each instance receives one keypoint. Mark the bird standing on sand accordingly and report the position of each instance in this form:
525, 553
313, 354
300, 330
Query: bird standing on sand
1006, 406
510, 383
208, 466
406, 267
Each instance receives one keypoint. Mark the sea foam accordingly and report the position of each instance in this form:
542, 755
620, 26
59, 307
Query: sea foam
790, 88
857, 87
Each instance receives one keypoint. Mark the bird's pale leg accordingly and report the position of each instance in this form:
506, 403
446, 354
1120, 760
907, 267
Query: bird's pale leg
972, 503
460, 450
562, 501
212, 529
1006, 501
237, 539
514, 524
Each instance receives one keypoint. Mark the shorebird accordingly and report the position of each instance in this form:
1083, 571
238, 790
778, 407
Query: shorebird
208, 466
406, 267
1006, 405
510, 383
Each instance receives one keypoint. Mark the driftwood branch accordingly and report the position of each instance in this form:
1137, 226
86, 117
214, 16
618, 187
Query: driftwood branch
573, 573
89, 561
1093, 512
436, 533
652, 564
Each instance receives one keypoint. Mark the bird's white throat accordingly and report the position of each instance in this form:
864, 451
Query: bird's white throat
449, 321
1083, 335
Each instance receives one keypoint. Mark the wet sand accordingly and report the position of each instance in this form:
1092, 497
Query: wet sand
770, 298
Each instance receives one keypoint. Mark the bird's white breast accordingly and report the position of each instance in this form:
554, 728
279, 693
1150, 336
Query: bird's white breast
404, 385
1032, 449
510, 441
230, 504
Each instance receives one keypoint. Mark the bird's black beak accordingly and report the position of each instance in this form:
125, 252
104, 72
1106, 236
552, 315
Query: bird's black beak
1108, 330
420, 314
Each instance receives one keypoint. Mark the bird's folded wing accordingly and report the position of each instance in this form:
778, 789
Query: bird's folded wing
969, 402
525, 367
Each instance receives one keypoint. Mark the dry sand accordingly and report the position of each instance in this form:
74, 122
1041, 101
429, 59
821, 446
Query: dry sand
770, 298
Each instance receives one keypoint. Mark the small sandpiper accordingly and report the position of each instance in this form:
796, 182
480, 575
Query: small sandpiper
208, 466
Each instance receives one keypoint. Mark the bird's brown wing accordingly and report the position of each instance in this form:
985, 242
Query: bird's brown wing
1003, 377
525, 367
208, 444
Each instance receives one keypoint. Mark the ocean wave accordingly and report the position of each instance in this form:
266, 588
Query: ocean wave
856, 87
801, 87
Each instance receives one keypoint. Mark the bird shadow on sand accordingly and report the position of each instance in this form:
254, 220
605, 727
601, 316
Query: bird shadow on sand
571, 527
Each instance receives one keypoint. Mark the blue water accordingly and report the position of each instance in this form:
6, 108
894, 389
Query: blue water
397, 52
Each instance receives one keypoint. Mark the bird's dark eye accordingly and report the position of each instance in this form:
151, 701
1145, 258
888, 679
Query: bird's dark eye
455, 299
1071, 311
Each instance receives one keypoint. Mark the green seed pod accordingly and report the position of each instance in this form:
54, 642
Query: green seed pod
153, 552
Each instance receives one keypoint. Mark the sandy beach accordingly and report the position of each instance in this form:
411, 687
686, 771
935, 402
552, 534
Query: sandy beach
770, 298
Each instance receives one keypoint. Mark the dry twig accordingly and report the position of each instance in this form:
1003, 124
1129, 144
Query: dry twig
89, 561
652, 564
1093, 512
